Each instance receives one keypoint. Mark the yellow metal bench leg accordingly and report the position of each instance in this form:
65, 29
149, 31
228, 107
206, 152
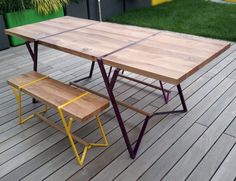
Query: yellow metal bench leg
80, 160
103, 134
67, 126
18, 95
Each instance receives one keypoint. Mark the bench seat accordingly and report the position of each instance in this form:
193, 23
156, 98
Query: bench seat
54, 93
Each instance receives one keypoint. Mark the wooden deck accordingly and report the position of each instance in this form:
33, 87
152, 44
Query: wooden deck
197, 145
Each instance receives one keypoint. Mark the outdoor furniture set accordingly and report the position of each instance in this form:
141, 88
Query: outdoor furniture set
162, 55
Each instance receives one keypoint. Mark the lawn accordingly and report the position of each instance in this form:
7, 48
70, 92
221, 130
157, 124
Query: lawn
198, 17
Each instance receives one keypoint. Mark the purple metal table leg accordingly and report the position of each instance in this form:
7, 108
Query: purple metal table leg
166, 94
109, 87
185, 109
115, 106
109, 74
141, 135
34, 56
91, 69
89, 76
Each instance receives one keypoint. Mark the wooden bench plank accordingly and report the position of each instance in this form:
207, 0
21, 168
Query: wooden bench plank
24, 135
55, 94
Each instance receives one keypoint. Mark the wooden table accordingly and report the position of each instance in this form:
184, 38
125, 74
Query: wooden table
162, 55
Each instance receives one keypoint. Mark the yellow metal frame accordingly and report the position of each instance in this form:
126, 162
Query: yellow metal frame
80, 160
18, 94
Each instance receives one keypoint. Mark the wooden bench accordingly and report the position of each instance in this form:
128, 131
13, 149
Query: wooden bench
68, 101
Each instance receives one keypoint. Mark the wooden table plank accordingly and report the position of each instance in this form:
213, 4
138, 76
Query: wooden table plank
47, 28
134, 32
170, 57
97, 40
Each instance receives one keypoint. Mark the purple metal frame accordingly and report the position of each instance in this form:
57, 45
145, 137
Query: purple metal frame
34, 57
33, 54
165, 92
109, 86
89, 76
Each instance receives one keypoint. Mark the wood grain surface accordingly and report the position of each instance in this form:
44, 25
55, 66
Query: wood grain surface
167, 56
97, 40
47, 28
55, 93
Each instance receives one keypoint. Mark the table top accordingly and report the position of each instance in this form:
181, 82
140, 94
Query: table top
47, 28
167, 56
162, 55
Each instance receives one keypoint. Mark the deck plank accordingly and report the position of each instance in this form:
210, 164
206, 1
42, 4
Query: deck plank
227, 168
208, 166
184, 167
215, 110
231, 130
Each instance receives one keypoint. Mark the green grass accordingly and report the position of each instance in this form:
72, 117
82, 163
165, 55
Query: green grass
198, 17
